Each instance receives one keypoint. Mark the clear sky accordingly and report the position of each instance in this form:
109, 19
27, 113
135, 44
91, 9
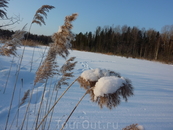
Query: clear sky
93, 13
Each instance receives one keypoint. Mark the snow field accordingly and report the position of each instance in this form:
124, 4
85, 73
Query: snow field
151, 106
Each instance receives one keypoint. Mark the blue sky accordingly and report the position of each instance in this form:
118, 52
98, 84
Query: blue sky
93, 13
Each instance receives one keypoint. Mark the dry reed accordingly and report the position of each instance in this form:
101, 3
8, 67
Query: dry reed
31, 43
113, 99
64, 36
10, 46
87, 84
38, 18
131, 127
26, 95
48, 67
60, 47
66, 72
109, 100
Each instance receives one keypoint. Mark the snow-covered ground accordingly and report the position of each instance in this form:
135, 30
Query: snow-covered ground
151, 106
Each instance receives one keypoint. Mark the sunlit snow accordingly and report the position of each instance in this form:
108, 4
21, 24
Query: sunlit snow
151, 106
108, 85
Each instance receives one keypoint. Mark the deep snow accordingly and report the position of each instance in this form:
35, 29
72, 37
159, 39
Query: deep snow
151, 106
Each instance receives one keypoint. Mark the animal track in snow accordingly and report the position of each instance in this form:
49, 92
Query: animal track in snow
85, 66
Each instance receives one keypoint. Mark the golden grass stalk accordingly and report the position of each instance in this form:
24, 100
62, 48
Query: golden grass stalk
59, 47
38, 17
39, 110
48, 67
17, 36
8, 75
44, 8
64, 36
25, 97
52, 108
66, 72
73, 111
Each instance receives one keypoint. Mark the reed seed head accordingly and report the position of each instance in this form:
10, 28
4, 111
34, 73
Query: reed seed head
112, 99
61, 44
66, 72
48, 68
89, 78
38, 17
62, 39
105, 87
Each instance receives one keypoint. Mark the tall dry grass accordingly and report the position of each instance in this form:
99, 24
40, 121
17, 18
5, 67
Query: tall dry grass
10, 47
109, 100
59, 47
50, 68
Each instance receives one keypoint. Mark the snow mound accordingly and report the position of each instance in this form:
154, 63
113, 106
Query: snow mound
108, 85
95, 74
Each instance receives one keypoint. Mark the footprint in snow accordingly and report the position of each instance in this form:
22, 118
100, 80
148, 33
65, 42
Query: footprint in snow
85, 66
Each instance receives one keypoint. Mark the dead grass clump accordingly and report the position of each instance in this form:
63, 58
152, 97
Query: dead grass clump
30, 43
89, 79
113, 99
86, 84
133, 127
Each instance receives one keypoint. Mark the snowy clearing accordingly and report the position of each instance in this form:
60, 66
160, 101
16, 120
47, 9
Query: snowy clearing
151, 106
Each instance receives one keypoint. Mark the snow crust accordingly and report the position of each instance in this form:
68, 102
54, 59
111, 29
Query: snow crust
108, 85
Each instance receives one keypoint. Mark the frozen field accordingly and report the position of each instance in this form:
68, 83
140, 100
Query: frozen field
151, 106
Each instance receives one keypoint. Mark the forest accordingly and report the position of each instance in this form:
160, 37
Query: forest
129, 42
123, 41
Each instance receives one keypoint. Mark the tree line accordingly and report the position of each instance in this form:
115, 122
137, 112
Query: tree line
124, 41
42, 39
129, 41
